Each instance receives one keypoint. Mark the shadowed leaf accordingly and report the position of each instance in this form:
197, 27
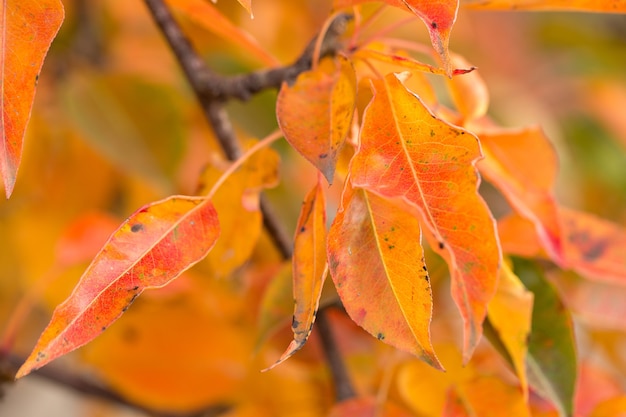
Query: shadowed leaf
315, 113
606, 6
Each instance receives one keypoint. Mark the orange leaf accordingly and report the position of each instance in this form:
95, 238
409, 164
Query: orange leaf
315, 113
469, 93
489, 396
309, 267
206, 15
510, 314
151, 248
523, 165
377, 264
237, 204
27, 28
439, 17
606, 6
408, 153
518, 236
594, 247
400, 60
247, 4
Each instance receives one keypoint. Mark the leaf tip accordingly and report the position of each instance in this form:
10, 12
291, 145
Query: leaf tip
461, 71
293, 347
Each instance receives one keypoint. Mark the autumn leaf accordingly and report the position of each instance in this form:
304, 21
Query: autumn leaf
309, 267
489, 396
237, 205
523, 165
27, 28
439, 17
509, 313
518, 236
247, 4
377, 264
315, 113
552, 368
606, 6
409, 154
151, 248
206, 15
595, 248
469, 93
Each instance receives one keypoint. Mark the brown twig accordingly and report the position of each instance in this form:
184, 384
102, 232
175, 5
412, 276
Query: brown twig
211, 90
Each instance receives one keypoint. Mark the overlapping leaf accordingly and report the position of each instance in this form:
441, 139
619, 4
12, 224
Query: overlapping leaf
237, 204
151, 248
523, 165
27, 28
606, 6
469, 93
510, 314
376, 261
309, 267
205, 14
552, 368
315, 113
409, 154
439, 17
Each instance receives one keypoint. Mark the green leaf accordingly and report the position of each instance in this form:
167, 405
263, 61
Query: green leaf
551, 356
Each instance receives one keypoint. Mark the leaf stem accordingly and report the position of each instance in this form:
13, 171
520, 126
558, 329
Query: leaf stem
268, 140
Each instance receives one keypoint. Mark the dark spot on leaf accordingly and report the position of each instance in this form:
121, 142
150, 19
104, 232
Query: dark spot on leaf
40, 356
441, 245
432, 133
433, 25
323, 156
103, 328
294, 323
391, 246
137, 227
424, 268
380, 336
302, 229
427, 278
136, 287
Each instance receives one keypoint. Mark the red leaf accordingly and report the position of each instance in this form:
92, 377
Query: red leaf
309, 267
377, 264
27, 28
439, 17
409, 154
151, 248
315, 113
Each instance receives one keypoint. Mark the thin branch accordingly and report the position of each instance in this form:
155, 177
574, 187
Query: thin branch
212, 89
343, 386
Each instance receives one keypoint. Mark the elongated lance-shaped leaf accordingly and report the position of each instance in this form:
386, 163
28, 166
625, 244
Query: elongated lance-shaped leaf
309, 267
27, 28
552, 368
376, 261
151, 248
409, 154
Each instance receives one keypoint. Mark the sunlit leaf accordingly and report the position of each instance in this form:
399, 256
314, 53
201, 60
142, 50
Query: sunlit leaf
607, 6
377, 264
439, 17
309, 267
237, 205
552, 368
523, 165
409, 154
27, 28
206, 15
490, 396
315, 113
151, 248
405, 62
510, 314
